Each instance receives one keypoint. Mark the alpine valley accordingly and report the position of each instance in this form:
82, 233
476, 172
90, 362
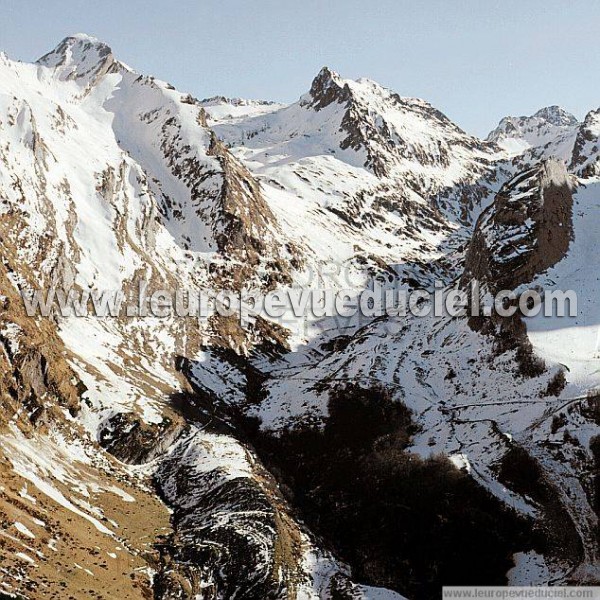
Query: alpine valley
314, 458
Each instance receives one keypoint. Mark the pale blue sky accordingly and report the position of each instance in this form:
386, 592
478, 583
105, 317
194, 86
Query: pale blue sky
474, 60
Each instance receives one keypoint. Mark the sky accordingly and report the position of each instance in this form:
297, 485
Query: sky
476, 61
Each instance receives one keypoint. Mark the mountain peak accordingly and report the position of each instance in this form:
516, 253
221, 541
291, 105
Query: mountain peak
327, 74
80, 56
85, 38
74, 48
328, 87
556, 115
549, 115
549, 131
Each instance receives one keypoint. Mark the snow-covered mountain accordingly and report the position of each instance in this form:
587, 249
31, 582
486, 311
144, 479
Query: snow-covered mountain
548, 132
218, 459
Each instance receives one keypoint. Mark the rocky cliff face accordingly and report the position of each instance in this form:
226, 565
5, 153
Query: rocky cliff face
373, 123
525, 230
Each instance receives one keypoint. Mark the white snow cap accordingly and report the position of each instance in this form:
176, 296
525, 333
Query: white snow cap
556, 115
75, 48
80, 57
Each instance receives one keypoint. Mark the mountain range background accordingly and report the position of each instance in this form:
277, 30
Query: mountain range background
168, 458
476, 62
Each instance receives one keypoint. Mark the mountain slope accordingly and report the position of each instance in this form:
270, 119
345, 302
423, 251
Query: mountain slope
110, 177
229, 433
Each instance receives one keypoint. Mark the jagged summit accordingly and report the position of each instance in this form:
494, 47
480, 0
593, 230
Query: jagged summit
548, 132
388, 128
549, 116
73, 49
327, 87
81, 57
556, 115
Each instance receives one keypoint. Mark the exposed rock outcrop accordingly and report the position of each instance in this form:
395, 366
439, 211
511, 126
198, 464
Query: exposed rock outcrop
586, 151
373, 123
526, 229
